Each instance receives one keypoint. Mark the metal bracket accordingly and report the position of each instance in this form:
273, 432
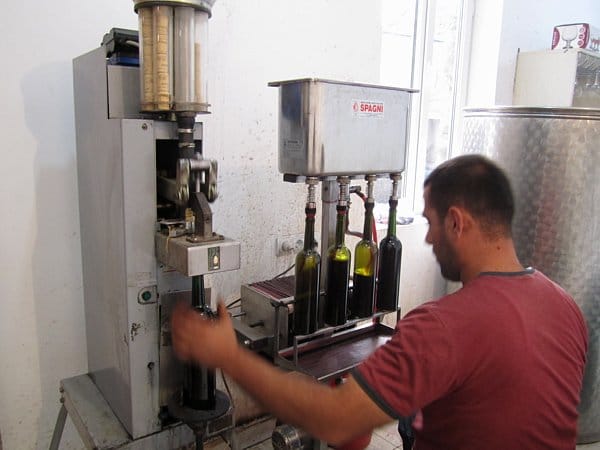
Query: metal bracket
182, 181
203, 215
178, 190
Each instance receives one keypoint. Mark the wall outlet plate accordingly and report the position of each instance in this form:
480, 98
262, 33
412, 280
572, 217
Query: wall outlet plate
292, 244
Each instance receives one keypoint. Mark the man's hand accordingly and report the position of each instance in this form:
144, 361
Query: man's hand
208, 342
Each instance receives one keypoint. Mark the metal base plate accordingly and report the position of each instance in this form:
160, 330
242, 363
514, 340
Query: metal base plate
194, 417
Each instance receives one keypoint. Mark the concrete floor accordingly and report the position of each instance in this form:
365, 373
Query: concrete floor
384, 438
594, 446
258, 437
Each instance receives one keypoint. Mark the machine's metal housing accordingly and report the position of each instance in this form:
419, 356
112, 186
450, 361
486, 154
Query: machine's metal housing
265, 320
337, 128
552, 159
204, 5
128, 289
117, 216
331, 352
191, 259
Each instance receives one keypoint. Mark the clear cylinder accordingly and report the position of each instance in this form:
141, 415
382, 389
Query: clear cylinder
183, 53
190, 59
162, 67
155, 24
146, 59
201, 60
173, 58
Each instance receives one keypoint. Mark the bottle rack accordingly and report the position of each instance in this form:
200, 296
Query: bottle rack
328, 352
333, 351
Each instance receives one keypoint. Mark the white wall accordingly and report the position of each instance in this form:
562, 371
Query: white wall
503, 27
41, 311
484, 52
253, 43
528, 26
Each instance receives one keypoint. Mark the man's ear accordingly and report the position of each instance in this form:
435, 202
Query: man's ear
456, 220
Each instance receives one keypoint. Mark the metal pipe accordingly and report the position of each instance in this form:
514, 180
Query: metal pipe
185, 130
395, 177
311, 198
58, 428
370, 187
329, 197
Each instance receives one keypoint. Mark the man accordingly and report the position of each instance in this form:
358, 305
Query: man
496, 365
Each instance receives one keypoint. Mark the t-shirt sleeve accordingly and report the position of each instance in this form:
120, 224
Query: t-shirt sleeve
414, 368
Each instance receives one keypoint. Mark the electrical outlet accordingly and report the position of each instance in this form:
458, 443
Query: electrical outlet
291, 244
288, 245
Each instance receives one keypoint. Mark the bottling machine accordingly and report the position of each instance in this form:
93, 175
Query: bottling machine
145, 189
330, 132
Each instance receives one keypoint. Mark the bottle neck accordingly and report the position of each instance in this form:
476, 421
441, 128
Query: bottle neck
340, 227
309, 229
391, 231
368, 230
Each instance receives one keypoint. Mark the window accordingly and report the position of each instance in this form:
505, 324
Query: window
424, 46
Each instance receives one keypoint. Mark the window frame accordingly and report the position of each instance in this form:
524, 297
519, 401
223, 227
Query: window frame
422, 49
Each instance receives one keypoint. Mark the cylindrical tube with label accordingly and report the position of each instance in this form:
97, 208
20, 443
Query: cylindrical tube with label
162, 20
173, 55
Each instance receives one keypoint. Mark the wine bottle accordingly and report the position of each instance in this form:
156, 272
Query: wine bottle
361, 303
199, 387
308, 272
199, 390
338, 274
390, 259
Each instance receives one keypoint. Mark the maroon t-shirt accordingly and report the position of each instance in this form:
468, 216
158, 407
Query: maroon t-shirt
497, 365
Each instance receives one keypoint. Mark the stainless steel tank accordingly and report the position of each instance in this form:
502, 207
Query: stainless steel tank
552, 157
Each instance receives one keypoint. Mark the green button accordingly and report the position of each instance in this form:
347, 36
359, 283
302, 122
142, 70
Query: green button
146, 295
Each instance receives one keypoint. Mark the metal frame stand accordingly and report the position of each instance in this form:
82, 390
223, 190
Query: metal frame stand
59, 427
100, 429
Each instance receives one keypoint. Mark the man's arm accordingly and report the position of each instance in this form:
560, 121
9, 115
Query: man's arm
334, 415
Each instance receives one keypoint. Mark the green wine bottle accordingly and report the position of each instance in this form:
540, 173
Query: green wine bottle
199, 384
338, 273
308, 273
390, 258
361, 303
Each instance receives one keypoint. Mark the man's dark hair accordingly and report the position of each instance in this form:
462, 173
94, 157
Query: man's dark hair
477, 184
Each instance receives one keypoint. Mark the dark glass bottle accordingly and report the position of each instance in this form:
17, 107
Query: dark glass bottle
199, 387
338, 274
390, 259
365, 264
308, 273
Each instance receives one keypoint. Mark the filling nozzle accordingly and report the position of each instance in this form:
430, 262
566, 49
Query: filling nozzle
396, 178
344, 196
370, 187
311, 200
